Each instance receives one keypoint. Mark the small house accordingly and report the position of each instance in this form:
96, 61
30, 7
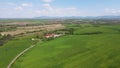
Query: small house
52, 35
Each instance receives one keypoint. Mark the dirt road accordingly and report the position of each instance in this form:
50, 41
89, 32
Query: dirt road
13, 61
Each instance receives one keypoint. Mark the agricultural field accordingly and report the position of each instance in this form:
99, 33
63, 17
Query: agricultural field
90, 46
58, 34
13, 47
31, 29
12, 42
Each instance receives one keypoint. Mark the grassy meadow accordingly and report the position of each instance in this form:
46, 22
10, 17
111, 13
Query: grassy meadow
90, 46
12, 48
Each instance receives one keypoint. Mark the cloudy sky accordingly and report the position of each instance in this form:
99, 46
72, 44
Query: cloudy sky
36, 8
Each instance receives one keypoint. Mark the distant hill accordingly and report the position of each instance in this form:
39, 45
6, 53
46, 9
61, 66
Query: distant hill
68, 17
56, 17
105, 17
79, 17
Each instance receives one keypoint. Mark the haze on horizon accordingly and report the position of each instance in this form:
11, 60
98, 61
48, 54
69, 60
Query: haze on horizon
36, 8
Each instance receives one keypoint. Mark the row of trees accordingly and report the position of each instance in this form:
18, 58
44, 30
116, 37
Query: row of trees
7, 28
4, 39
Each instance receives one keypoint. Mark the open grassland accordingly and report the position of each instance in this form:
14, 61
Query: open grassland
25, 21
86, 50
104, 30
12, 48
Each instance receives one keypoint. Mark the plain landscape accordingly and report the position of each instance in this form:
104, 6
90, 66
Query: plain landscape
59, 33
68, 43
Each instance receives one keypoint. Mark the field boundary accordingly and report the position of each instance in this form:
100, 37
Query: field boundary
21, 53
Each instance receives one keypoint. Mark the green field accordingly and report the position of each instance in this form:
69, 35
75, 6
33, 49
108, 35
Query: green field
9, 50
77, 51
31, 21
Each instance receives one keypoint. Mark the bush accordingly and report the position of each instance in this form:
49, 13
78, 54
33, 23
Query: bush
5, 38
92, 33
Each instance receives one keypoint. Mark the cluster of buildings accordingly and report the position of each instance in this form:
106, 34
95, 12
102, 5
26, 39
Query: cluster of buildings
52, 35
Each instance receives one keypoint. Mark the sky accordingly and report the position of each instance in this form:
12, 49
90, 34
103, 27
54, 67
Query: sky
61, 8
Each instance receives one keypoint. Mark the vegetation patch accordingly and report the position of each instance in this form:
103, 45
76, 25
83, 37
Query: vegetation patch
98, 49
79, 51
13, 47
5, 39
81, 46
92, 33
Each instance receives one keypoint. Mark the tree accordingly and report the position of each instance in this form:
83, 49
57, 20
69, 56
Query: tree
0, 35
71, 30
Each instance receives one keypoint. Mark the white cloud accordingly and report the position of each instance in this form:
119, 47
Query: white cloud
47, 6
38, 11
48, 1
70, 11
7, 3
112, 11
22, 6
26, 5
10, 3
49, 10
25, 10
18, 8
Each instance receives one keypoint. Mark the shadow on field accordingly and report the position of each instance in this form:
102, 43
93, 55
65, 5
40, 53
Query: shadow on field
90, 33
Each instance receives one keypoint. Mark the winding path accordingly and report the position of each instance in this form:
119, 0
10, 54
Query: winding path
21, 53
